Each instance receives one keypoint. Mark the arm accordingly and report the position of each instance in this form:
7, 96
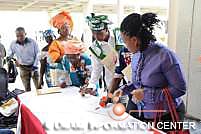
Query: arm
114, 85
128, 88
125, 89
55, 52
36, 50
42, 70
175, 78
118, 73
97, 69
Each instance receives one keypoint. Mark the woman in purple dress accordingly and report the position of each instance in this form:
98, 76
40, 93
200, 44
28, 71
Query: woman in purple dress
157, 68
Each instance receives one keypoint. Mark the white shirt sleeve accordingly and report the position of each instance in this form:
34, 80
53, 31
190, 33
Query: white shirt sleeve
97, 68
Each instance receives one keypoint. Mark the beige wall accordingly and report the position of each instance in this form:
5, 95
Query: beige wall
185, 37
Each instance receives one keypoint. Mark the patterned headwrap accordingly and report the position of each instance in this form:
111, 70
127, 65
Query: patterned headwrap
98, 23
60, 19
74, 47
48, 33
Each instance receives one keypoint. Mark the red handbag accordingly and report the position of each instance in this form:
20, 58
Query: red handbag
173, 113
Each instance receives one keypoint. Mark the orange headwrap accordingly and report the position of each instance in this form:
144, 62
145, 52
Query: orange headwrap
58, 48
74, 47
60, 19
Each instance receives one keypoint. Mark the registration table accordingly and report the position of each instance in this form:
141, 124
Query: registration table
68, 112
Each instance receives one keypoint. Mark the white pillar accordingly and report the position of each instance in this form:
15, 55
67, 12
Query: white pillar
184, 34
172, 24
49, 17
87, 32
120, 11
89, 7
193, 53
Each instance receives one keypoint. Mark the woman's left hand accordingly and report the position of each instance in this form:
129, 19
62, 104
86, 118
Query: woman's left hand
138, 95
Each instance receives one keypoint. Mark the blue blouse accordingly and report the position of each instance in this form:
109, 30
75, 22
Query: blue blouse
157, 68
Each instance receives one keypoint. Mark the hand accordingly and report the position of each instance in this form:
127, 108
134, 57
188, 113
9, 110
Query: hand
85, 90
118, 93
34, 68
63, 85
138, 95
34, 73
86, 81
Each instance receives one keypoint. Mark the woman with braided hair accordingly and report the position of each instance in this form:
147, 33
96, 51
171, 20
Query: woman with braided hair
157, 68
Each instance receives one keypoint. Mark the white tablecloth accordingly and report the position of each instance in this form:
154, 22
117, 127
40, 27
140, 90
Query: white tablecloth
69, 107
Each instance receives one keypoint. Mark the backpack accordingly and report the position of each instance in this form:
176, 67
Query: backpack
5, 95
5, 122
12, 70
3, 83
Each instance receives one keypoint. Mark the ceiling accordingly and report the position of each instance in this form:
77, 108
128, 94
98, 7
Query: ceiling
109, 6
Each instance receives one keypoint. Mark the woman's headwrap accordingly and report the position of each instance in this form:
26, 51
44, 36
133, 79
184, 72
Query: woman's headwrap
98, 23
60, 19
74, 46
48, 33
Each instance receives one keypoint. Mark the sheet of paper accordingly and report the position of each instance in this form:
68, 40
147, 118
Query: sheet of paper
110, 60
128, 72
48, 91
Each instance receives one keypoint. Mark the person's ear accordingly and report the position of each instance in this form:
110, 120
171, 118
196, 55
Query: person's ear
134, 41
25, 34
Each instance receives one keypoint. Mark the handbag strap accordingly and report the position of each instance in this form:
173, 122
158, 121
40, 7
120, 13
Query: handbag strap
171, 105
158, 115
